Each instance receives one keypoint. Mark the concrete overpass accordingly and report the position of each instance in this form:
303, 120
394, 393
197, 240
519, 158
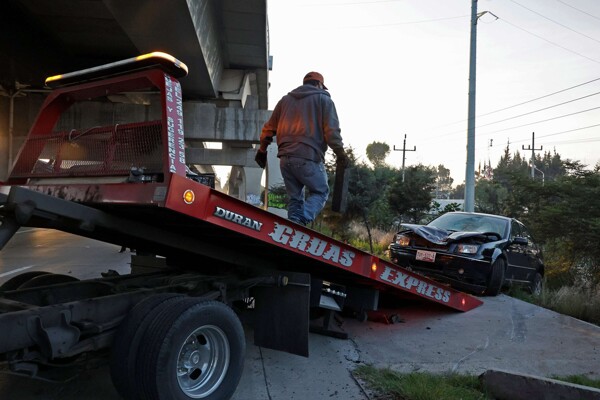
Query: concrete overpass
225, 44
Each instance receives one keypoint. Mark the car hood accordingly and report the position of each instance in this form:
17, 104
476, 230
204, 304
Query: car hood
444, 237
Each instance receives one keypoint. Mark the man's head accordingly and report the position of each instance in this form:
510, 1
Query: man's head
314, 78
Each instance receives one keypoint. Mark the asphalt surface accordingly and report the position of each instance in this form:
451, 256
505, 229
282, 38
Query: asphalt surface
504, 333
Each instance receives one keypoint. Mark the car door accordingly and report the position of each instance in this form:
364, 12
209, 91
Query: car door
532, 255
515, 254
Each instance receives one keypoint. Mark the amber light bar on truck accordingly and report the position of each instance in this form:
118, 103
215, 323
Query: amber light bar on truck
166, 61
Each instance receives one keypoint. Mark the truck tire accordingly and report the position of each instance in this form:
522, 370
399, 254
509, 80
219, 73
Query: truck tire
496, 279
127, 339
46, 280
192, 349
16, 281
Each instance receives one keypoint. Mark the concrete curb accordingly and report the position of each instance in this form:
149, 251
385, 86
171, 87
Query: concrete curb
503, 385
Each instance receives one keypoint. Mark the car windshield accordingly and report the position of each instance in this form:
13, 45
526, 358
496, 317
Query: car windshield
470, 223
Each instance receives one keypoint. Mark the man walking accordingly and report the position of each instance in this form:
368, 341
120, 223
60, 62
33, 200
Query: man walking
305, 122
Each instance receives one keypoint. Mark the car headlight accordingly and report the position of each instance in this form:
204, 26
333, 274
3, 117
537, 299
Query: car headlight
402, 240
468, 248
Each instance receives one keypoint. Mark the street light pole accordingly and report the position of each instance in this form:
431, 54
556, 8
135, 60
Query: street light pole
470, 172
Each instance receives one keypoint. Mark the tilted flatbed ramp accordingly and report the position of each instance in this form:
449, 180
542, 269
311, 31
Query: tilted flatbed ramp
200, 225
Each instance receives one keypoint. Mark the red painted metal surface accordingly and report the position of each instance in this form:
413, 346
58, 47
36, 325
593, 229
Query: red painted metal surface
228, 212
43, 140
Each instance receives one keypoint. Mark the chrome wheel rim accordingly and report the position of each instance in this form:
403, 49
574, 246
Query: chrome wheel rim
203, 361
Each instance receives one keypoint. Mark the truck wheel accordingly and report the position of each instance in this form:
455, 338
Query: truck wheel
127, 339
47, 279
496, 279
16, 281
192, 350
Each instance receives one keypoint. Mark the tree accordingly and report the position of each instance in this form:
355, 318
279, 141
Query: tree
508, 166
377, 152
412, 198
490, 197
458, 192
551, 165
443, 182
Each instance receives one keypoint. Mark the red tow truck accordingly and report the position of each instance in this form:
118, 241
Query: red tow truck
208, 264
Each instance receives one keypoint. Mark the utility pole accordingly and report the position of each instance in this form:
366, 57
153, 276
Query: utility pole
470, 172
533, 150
404, 154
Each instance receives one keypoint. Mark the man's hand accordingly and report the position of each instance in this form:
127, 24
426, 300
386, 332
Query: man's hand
261, 158
342, 158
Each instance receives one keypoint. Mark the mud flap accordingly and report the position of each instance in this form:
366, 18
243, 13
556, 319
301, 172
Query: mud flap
282, 315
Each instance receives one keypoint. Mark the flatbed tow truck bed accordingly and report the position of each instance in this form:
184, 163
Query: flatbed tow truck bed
205, 254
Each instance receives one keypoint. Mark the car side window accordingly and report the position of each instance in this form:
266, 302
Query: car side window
525, 233
515, 230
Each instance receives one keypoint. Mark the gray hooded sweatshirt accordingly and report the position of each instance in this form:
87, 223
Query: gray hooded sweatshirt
306, 116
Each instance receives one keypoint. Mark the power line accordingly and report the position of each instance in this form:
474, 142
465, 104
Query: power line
538, 98
401, 23
569, 131
588, 140
549, 41
560, 133
556, 22
538, 110
580, 10
539, 122
350, 3
519, 104
525, 114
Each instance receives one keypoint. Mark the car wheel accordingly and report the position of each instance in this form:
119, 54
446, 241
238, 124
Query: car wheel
192, 349
496, 279
535, 287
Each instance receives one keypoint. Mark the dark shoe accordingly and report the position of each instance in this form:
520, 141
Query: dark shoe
297, 221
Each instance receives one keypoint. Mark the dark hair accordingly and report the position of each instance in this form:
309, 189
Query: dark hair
313, 82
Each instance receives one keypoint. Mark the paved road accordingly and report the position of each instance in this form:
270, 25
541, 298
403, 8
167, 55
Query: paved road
504, 333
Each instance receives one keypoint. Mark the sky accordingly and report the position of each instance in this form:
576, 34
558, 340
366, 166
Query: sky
401, 67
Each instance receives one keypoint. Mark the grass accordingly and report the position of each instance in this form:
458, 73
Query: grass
579, 380
578, 301
392, 385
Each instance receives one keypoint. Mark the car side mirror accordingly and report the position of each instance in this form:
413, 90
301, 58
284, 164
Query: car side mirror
521, 241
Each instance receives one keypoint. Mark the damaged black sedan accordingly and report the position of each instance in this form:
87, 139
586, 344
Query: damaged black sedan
474, 252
